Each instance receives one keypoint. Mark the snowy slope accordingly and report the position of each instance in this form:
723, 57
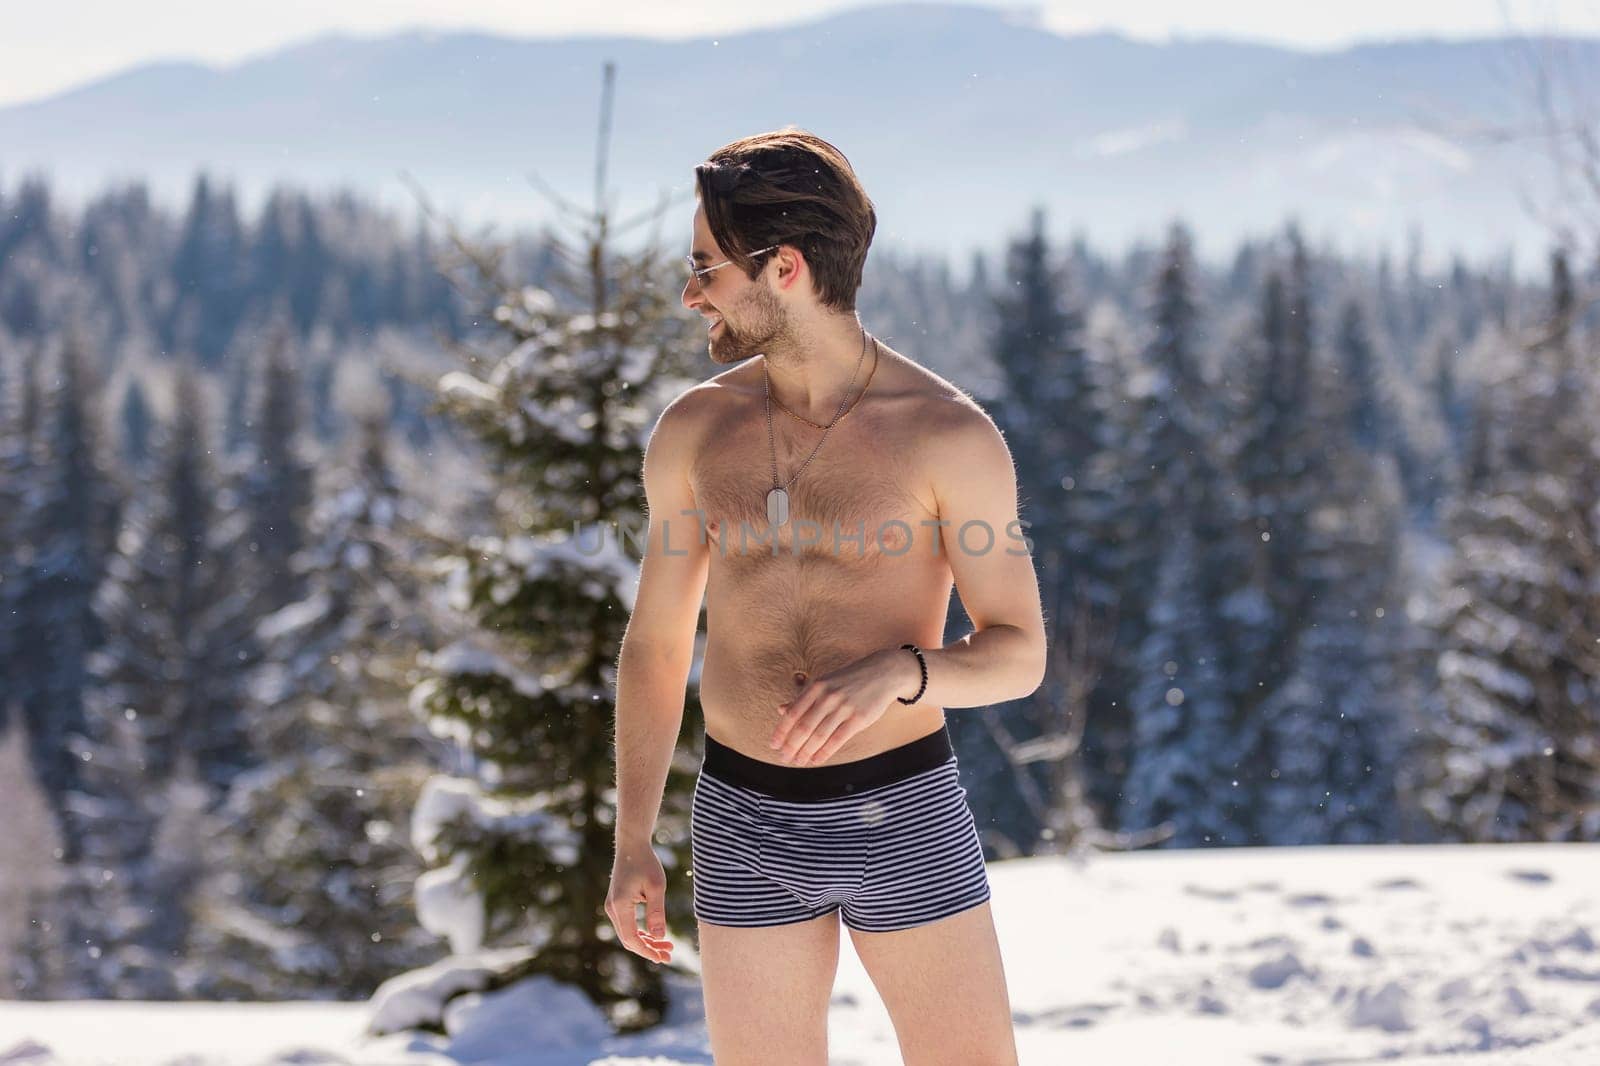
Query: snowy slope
1409, 955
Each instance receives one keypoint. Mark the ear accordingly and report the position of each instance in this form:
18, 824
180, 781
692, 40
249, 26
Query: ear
791, 265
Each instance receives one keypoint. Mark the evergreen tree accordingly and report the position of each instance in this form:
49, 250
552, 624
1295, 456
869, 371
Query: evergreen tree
523, 836
1277, 458
1356, 382
66, 531
114, 240
1050, 404
210, 275
1049, 409
161, 732
1183, 781
276, 484
25, 222
1511, 726
178, 615
17, 400
1331, 726
1176, 526
310, 894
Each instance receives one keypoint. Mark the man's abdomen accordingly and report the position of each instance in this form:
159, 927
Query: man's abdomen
775, 624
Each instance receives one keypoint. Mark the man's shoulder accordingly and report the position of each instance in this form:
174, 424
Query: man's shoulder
954, 432
689, 410
941, 407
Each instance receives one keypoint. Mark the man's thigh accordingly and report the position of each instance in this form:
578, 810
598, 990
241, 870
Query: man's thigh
945, 989
767, 990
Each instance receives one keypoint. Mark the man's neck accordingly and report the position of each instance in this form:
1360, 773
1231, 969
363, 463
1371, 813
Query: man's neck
811, 376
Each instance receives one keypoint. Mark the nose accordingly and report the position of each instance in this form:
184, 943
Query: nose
692, 295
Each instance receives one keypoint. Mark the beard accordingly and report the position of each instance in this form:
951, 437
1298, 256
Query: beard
764, 322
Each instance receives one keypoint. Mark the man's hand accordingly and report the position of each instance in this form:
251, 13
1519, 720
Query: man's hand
637, 877
838, 705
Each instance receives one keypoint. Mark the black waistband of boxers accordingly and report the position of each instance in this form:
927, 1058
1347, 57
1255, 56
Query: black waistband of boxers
827, 782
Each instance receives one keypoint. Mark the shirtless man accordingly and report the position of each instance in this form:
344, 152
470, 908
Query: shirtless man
823, 795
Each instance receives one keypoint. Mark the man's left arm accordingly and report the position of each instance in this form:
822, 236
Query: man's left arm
1003, 658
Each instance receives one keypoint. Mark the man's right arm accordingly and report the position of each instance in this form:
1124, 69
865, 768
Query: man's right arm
658, 645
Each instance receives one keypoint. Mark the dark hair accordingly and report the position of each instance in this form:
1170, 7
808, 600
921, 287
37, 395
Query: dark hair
790, 187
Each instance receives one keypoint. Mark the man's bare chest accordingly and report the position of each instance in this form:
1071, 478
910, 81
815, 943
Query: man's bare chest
862, 494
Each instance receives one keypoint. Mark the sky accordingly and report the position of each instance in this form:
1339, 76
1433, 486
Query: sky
45, 48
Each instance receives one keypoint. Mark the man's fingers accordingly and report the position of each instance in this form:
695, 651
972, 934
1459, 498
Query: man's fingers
794, 742
825, 738
802, 722
794, 716
655, 913
625, 919
824, 717
653, 935
840, 736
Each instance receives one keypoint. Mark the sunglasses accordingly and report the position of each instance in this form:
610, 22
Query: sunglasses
699, 272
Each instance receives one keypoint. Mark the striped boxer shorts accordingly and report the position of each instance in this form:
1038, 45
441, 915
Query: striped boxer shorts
887, 840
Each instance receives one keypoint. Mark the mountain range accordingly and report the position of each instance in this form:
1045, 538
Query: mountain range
959, 119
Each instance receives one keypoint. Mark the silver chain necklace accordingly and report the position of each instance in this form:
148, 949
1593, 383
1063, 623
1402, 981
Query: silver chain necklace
778, 495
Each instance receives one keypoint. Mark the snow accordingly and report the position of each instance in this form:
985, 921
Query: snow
420, 997
465, 388
1411, 955
465, 657
296, 616
450, 905
592, 550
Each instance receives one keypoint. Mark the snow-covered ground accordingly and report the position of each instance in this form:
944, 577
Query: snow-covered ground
1415, 956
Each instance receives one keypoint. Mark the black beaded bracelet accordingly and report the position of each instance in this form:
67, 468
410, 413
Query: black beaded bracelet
922, 662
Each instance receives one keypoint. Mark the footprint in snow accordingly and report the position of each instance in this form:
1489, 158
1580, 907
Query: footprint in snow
1398, 882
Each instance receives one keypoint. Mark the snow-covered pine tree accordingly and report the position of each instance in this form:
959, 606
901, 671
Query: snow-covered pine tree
275, 484
521, 836
36, 952
19, 403
1048, 408
1184, 776
164, 696
177, 616
1177, 527
1355, 386
288, 260
310, 894
66, 533
209, 274
1277, 457
1513, 726
1332, 726
100, 912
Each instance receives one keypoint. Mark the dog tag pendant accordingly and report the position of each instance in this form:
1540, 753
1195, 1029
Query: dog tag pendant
777, 507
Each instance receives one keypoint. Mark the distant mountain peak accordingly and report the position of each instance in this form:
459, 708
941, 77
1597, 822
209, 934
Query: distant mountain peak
959, 116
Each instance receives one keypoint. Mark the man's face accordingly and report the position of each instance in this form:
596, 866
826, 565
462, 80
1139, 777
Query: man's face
744, 316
